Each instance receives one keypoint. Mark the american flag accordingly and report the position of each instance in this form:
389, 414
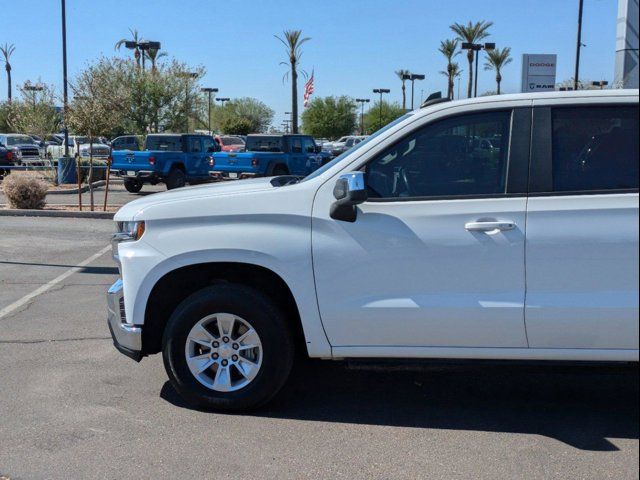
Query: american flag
308, 90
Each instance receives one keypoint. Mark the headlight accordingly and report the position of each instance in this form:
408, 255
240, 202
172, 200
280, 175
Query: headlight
130, 230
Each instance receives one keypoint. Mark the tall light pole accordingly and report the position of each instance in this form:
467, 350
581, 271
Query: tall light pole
381, 91
476, 47
209, 90
222, 100
187, 76
413, 77
362, 101
65, 98
578, 45
33, 88
145, 46
600, 83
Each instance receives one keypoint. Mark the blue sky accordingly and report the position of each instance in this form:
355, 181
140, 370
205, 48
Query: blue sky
355, 46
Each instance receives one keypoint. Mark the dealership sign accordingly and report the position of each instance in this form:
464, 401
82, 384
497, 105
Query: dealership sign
538, 72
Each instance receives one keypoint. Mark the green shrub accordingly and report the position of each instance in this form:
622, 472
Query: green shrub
25, 190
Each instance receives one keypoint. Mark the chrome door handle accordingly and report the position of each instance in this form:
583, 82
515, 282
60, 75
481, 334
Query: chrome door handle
489, 226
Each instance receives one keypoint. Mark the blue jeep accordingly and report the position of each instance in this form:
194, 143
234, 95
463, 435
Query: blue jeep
267, 156
175, 159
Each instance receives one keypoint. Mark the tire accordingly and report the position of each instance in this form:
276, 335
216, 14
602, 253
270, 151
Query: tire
247, 307
132, 186
176, 179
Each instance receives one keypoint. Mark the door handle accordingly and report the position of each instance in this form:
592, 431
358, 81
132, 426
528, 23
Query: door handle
489, 226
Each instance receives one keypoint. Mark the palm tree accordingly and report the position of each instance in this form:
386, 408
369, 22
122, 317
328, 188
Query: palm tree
401, 73
448, 49
451, 74
7, 51
135, 38
293, 44
496, 59
471, 33
154, 54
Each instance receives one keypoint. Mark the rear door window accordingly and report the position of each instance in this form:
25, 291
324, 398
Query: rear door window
595, 148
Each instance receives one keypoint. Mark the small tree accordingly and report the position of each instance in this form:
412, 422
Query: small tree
496, 60
35, 113
329, 117
254, 114
236, 126
374, 121
99, 103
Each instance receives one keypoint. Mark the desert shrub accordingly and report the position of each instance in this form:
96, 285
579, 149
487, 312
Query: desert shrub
25, 190
99, 171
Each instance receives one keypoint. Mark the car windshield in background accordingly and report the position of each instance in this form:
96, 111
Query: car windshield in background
164, 143
232, 141
20, 140
264, 144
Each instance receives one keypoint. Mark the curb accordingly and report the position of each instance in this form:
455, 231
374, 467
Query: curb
84, 189
14, 212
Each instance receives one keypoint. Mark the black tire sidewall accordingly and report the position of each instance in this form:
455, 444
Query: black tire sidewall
266, 319
176, 179
133, 186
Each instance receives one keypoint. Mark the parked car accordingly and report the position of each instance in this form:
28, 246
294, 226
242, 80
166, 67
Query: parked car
24, 148
230, 143
409, 245
6, 160
127, 142
175, 159
80, 145
340, 147
268, 155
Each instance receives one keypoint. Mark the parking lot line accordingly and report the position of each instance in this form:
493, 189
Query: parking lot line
47, 286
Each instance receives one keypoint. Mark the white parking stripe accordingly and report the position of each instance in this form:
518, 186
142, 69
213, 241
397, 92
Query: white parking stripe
47, 286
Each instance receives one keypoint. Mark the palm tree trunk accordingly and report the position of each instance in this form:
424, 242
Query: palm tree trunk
498, 80
294, 97
470, 85
404, 96
9, 84
450, 81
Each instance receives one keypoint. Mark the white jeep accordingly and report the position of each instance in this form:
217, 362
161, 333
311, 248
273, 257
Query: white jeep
413, 244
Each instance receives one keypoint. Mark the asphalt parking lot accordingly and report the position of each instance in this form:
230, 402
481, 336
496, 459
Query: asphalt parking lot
73, 407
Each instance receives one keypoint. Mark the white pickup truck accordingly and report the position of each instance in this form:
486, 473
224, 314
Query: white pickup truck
79, 145
413, 244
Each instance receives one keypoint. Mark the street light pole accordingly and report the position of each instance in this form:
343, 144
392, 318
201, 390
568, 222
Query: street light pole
222, 100
413, 77
476, 47
362, 101
187, 76
578, 45
381, 91
65, 98
33, 88
209, 91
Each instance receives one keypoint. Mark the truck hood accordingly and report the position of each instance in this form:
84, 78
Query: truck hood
190, 197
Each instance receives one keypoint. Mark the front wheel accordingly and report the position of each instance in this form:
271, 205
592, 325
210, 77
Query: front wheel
227, 348
132, 185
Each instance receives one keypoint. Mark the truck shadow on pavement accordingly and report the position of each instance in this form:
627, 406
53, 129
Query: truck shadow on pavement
580, 406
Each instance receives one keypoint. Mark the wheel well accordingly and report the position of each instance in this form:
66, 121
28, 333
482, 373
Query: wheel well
274, 165
179, 166
177, 285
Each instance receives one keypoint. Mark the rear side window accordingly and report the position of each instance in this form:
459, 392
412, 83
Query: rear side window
444, 159
595, 148
264, 144
167, 143
195, 145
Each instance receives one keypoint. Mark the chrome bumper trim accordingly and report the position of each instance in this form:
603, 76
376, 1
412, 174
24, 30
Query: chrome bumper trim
124, 334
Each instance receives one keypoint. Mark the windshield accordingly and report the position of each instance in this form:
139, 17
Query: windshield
20, 140
264, 144
327, 166
166, 143
85, 140
231, 141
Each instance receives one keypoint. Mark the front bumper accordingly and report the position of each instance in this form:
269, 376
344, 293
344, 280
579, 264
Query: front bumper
127, 338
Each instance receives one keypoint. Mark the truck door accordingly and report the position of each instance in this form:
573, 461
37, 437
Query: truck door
582, 228
313, 159
435, 257
196, 165
297, 157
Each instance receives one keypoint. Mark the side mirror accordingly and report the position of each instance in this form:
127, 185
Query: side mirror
349, 191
